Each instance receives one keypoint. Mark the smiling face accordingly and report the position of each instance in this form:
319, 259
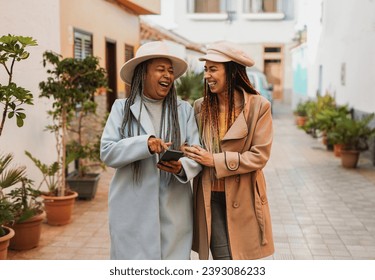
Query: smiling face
214, 73
159, 78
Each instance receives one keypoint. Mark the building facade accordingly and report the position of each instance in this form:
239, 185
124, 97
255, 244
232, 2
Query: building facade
264, 28
336, 54
108, 29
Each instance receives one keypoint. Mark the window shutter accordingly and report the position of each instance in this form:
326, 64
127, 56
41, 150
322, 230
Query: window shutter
82, 45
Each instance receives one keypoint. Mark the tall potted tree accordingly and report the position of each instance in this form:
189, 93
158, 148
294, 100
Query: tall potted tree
84, 149
71, 85
13, 98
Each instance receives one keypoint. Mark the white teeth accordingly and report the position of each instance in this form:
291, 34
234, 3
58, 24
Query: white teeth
164, 84
211, 84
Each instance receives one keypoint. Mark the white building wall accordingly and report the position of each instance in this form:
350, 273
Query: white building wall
251, 34
201, 29
343, 44
348, 39
25, 18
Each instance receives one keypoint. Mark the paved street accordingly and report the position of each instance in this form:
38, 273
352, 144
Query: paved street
319, 209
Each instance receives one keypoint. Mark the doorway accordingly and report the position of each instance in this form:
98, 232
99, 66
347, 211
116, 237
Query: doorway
111, 72
273, 69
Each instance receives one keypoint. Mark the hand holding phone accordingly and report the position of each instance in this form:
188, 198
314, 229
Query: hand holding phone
171, 155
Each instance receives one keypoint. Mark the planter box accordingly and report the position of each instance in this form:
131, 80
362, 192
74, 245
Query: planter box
86, 187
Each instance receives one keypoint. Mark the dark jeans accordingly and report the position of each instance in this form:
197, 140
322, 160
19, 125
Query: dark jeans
219, 234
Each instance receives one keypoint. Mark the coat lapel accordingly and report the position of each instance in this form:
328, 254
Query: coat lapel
238, 130
144, 120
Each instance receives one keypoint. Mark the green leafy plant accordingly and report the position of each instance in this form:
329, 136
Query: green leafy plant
26, 201
313, 108
83, 147
16, 204
326, 120
12, 96
353, 134
190, 86
301, 109
71, 85
6, 214
20, 203
49, 173
9, 176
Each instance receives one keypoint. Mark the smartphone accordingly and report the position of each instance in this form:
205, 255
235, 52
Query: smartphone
171, 155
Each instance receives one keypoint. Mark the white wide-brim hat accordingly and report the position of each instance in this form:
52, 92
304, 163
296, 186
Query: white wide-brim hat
226, 51
156, 49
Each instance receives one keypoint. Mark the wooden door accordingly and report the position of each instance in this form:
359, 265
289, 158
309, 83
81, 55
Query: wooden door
273, 72
111, 73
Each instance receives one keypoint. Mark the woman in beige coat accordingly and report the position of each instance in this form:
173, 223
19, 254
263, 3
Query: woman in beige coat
231, 213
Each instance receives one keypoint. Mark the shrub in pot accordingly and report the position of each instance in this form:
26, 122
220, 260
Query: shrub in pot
71, 84
326, 121
353, 135
21, 207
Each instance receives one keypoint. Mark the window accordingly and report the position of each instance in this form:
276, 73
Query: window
262, 6
82, 44
272, 49
211, 6
129, 54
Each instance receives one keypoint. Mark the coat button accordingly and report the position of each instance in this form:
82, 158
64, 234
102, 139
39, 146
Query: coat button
236, 204
237, 178
232, 165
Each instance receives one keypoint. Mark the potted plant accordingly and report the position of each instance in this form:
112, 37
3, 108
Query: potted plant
353, 135
28, 215
6, 233
23, 209
313, 108
84, 151
13, 98
8, 177
71, 85
326, 121
301, 113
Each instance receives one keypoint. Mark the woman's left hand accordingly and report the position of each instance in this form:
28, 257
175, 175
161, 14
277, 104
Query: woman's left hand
200, 155
172, 166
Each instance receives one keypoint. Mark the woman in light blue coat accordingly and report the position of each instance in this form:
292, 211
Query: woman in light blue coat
150, 204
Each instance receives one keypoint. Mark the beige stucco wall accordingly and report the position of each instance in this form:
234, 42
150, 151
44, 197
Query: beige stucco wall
103, 20
40, 20
151, 5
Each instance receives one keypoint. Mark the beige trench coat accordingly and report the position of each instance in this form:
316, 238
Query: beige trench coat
246, 149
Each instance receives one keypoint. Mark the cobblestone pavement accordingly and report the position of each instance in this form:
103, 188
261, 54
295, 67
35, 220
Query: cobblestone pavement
319, 209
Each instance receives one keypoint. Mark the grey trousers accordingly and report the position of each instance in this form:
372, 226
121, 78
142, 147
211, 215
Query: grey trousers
219, 234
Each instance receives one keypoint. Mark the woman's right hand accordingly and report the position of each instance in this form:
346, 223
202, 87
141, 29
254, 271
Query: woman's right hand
157, 145
200, 155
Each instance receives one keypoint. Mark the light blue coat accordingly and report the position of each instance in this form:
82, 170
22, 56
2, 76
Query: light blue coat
151, 219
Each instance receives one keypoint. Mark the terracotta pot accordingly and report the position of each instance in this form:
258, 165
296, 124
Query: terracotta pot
59, 209
337, 149
349, 158
301, 120
325, 140
27, 233
4, 243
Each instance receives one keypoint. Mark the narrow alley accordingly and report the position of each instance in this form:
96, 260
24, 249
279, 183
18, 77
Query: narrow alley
319, 209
